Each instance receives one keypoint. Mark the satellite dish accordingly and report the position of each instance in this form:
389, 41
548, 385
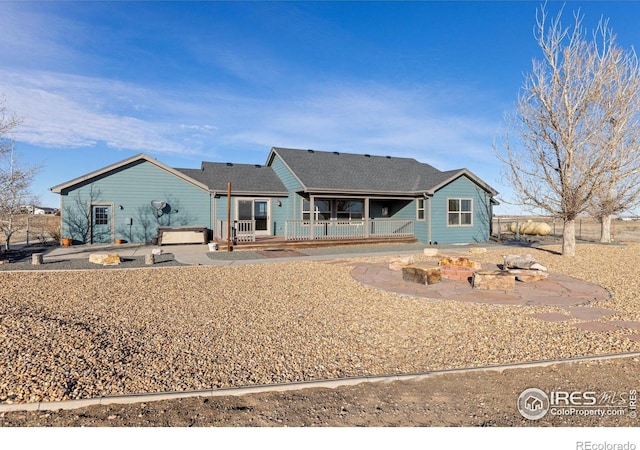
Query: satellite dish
158, 204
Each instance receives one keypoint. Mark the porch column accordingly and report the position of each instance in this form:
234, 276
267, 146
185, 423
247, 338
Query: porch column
214, 216
428, 201
312, 217
366, 217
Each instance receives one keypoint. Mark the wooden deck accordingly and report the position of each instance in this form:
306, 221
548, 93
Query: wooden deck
278, 242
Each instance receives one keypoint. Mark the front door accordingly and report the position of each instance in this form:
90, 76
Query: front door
100, 224
261, 216
257, 211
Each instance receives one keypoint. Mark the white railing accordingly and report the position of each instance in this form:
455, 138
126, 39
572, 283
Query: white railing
241, 230
390, 228
301, 230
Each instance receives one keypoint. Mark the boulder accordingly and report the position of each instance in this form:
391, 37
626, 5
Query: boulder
400, 262
496, 280
528, 276
106, 259
522, 262
431, 251
421, 274
460, 261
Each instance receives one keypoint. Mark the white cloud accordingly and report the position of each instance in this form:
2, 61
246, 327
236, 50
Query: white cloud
73, 111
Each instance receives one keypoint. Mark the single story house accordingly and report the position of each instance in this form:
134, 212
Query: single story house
296, 195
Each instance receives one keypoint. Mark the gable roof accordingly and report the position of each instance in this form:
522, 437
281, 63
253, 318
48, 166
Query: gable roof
245, 178
321, 171
121, 164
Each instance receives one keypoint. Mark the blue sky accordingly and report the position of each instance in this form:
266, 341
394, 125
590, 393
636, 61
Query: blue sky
185, 82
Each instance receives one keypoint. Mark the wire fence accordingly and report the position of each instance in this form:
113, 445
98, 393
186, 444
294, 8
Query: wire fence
32, 229
587, 228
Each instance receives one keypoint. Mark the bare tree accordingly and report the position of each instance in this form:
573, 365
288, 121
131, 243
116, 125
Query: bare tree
620, 142
15, 181
15, 178
8, 123
555, 158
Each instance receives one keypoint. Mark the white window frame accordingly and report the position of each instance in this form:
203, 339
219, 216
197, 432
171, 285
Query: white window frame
423, 209
316, 213
460, 212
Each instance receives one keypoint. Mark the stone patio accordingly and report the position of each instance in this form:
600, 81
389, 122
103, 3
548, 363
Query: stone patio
570, 294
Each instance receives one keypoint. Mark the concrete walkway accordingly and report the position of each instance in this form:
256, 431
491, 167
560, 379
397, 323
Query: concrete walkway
196, 254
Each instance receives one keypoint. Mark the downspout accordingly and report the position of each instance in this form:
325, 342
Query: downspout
427, 200
214, 217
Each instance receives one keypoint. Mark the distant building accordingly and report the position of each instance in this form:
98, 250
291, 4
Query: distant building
37, 210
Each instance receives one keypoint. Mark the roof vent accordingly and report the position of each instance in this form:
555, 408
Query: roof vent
310, 151
229, 164
336, 153
258, 166
367, 155
388, 157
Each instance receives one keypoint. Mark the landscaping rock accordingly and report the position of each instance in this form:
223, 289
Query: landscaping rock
400, 262
528, 276
522, 262
459, 261
106, 259
494, 280
422, 274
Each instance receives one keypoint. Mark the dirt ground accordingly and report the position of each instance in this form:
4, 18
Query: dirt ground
472, 399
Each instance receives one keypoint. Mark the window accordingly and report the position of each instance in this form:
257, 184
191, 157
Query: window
101, 216
349, 209
322, 209
420, 208
459, 212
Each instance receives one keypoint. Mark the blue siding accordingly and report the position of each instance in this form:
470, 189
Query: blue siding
291, 206
462, 187
279, 214
134, 187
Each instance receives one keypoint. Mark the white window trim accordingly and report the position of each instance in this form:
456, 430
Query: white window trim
460, 225
423, 209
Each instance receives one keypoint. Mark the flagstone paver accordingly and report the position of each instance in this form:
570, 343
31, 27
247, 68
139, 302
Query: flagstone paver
589, 313
551, 317
571, 294
556, 290
597, 326
629, 324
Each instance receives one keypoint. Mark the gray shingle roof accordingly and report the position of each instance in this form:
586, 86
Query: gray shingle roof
243, 177
349, 172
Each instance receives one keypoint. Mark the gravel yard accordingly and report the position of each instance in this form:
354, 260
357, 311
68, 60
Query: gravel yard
78, 334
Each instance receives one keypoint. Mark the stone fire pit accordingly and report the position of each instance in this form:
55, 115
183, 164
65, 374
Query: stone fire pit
502, 280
